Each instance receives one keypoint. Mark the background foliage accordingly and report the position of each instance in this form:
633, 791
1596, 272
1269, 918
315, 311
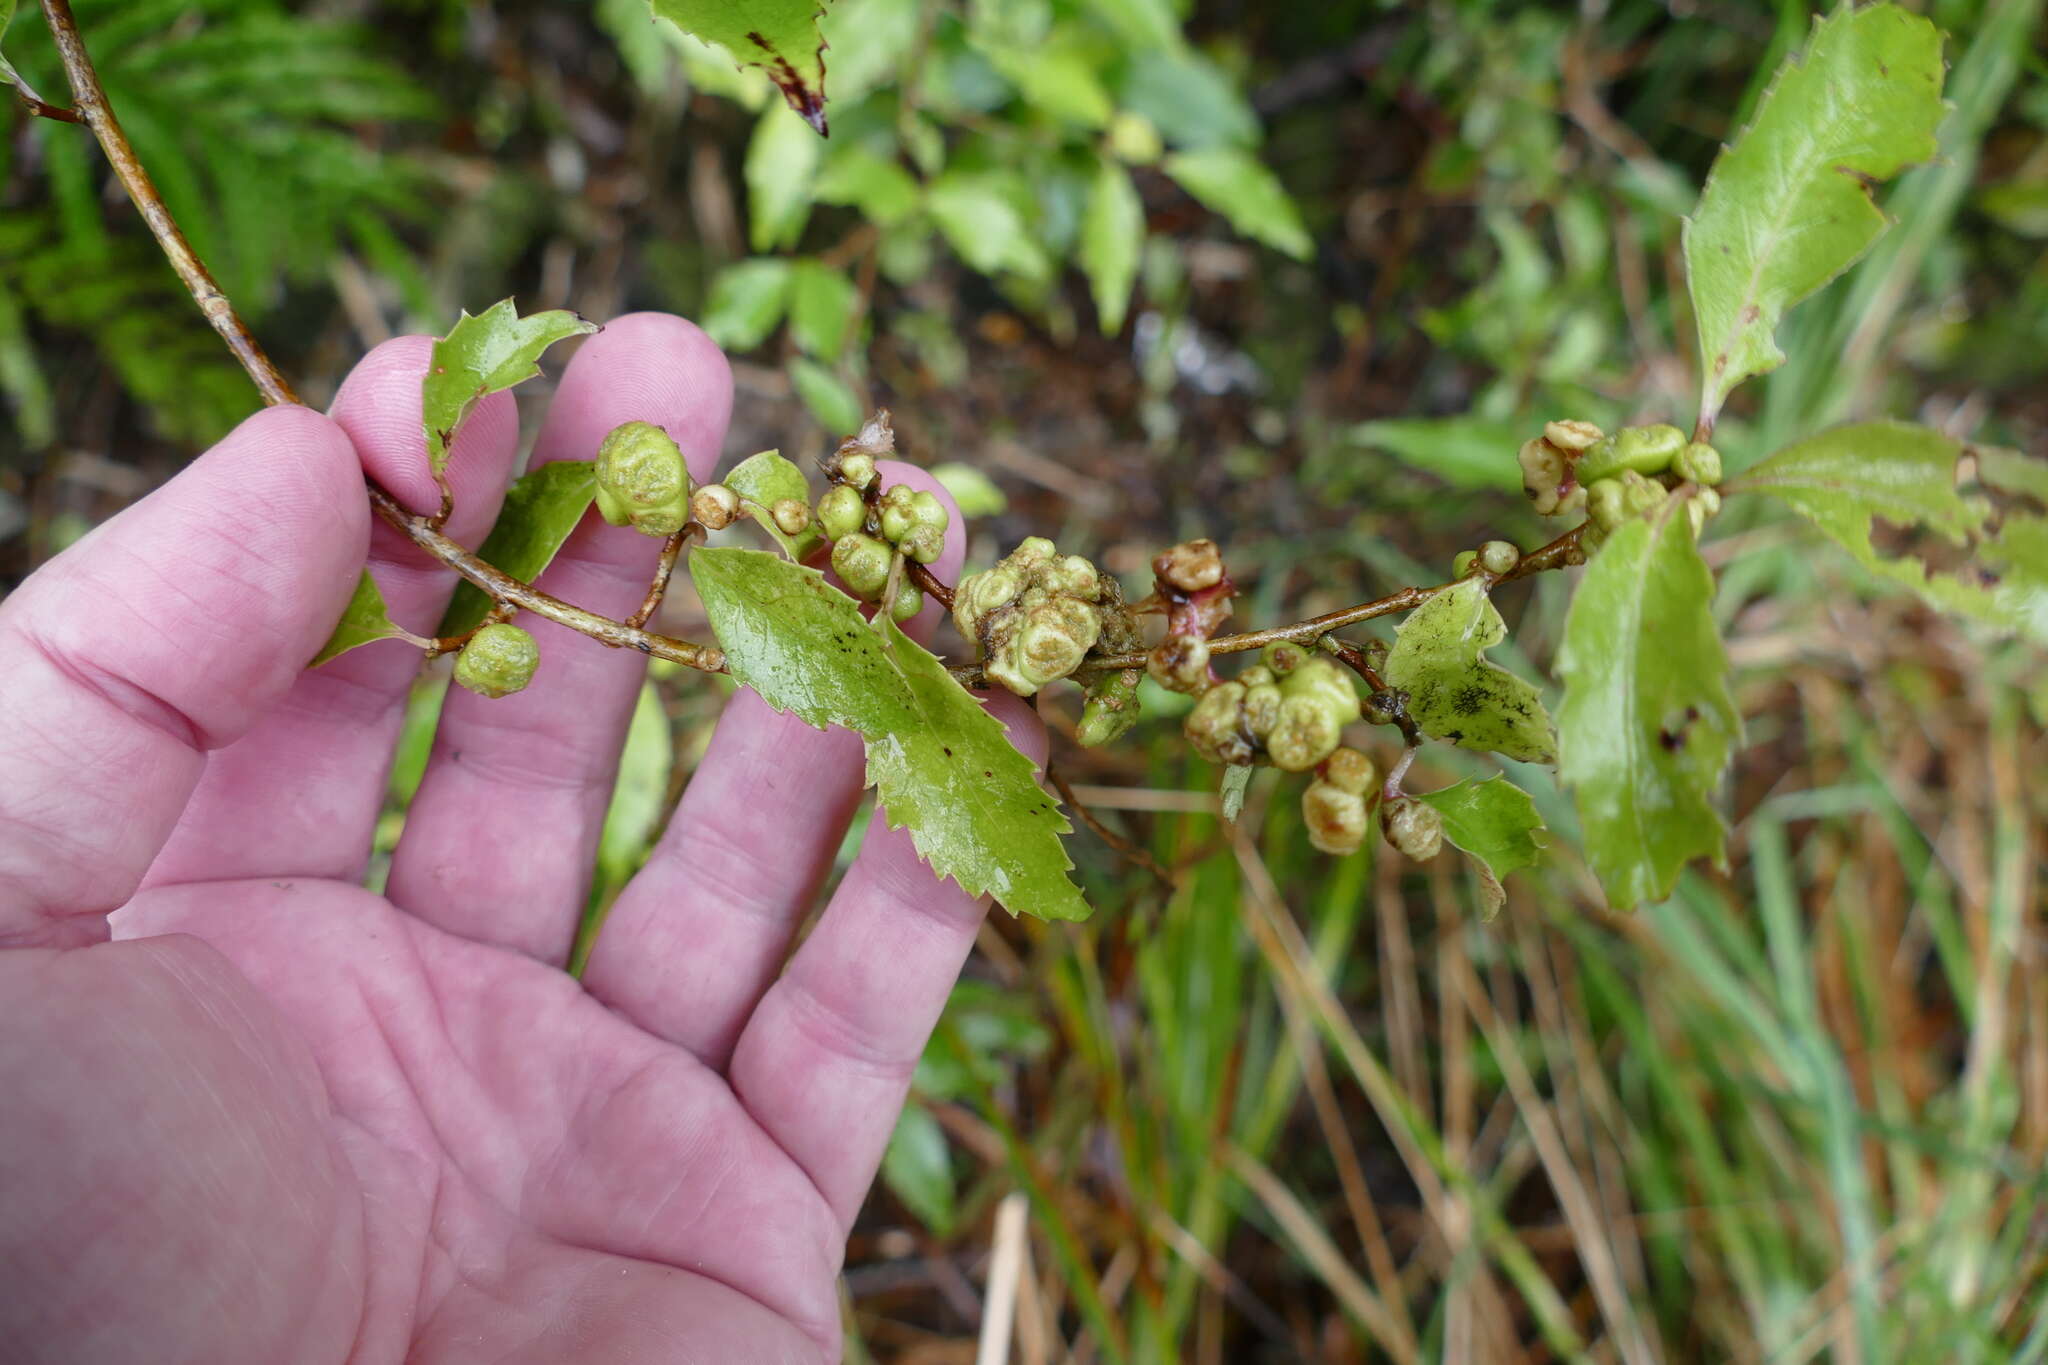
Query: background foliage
1299, 277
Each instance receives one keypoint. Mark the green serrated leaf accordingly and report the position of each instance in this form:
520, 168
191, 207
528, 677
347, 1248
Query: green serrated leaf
481, 355
1972, 556
779, 36
746, 303
1250, 198
540, 511
1495, 823
826, 395
797, 640
1453, 692
941, 765
1788, 206
1647, 725
762, 481
364, 620
822, 302
1112, 236
971, 801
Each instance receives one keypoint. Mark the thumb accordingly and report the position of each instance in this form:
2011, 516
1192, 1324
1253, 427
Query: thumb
160, 636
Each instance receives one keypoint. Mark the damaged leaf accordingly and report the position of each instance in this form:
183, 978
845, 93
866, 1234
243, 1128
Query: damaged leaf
1965, 528
1438, 659
1788, 205
779, 36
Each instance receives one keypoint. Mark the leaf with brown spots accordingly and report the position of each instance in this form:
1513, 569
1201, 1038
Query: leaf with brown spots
779, 36
1454, 694
1647, 725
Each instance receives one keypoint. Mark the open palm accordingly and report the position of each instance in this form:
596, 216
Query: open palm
278, 1118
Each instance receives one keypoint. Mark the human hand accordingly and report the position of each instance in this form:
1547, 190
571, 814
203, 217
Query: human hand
277, 1118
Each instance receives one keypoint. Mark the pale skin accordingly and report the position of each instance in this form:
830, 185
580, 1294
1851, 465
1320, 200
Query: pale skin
252, 1112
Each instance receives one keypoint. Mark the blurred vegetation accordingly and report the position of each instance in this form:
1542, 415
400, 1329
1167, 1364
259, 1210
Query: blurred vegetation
1299, 277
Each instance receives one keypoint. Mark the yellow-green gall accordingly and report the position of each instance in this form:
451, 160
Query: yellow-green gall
1283, 657
498, 661
905, 509
1110, 711
1262, 702
1180, 663
1698, 463
1640, 495
1034, 616
907, 602
714, 507
862, 563
1646, 450
1351, 771
1462, 565
1190, 566
924, 543
1571, 435
1700, 506
1325, 681
1337, 819
1544, 472
1215, 728
1306, 733
1606, 504
1055, 635
841, 512
642, 480
792, 516
857, 469
1413, 827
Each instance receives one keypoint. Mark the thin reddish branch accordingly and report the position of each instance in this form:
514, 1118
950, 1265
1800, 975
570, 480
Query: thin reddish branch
929, 582
664, 570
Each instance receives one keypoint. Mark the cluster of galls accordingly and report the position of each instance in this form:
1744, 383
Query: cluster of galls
1574, 466
869, 525
1034, 616
1289, 709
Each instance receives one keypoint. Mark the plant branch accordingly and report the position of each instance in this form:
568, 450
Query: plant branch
502, 587
90, 107
664, 570
928, 581
1559, 553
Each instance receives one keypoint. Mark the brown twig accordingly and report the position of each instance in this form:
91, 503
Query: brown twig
500, 586
1116, 841
664, 570
1389, 701
929, 583
90, 107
